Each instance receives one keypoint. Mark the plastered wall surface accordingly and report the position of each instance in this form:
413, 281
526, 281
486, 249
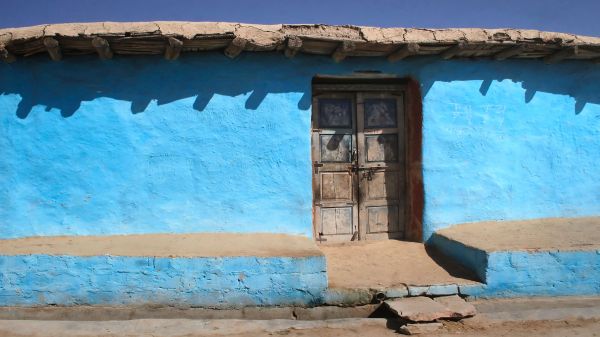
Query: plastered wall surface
209, 144
228, 282
526, 272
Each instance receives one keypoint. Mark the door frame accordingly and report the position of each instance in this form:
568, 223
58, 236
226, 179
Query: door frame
410, 89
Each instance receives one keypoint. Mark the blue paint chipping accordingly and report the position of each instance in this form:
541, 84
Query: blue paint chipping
231, 282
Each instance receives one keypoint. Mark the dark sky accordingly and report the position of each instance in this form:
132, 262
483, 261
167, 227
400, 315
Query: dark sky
575, 16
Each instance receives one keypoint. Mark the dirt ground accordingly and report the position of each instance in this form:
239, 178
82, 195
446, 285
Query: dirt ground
369, 265
583, 328
469, 328
587, 328
521, 329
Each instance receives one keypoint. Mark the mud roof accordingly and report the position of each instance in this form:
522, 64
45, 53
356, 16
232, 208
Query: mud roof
170, 39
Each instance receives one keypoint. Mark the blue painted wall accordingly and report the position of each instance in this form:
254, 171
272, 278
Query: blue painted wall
137, 145
526, 273
498, 151
229, 282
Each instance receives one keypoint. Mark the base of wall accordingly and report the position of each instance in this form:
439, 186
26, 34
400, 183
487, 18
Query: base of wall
546, 257
295, 274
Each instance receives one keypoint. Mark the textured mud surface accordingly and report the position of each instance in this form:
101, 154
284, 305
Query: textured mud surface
389, 263
144, 38
165, 245
539, 234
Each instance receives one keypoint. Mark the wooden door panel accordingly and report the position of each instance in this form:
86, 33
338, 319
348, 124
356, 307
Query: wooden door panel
335, 112
383, 186
336, 186
380, 140
336, 220
336, 148
380, 113
382, 219
381, 148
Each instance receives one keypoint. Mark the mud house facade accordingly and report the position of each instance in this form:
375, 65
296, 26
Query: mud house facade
311, 133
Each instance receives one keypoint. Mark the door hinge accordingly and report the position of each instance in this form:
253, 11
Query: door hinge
316, 166
321, 238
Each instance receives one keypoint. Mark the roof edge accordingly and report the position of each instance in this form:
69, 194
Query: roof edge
340, 41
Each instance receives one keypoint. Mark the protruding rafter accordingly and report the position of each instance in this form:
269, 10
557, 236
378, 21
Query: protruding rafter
561, 54
235, 47
453, 51
53, 48
102, 48
6, 56
404, 52
509, 52
294, 44
343, 50
173, 50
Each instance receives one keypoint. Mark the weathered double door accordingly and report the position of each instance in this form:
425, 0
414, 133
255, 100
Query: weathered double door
358, 166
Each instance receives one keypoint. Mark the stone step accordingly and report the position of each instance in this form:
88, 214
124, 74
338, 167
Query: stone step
459, 307
425, 309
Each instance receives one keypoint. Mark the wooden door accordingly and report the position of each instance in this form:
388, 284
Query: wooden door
381, 161
334, 152
358, 166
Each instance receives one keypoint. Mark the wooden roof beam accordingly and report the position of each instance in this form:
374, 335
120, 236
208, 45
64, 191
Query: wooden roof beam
453, 51
294, 44
102, 48
235, 47
343, 50
404, 52
561, 54
173, 50
509, 52
53, 48
6, 56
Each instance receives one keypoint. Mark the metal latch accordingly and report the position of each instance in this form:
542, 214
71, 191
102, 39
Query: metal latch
353, 168
369, 173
